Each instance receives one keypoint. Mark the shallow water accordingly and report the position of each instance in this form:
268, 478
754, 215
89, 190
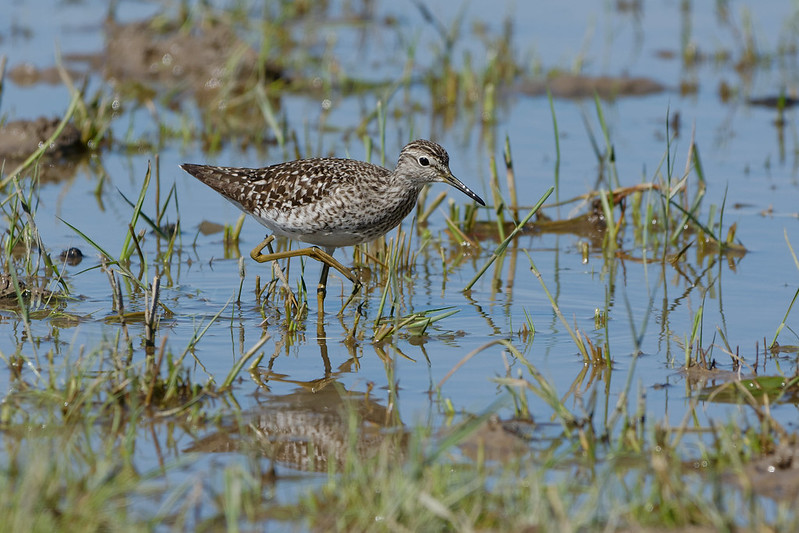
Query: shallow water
744, 155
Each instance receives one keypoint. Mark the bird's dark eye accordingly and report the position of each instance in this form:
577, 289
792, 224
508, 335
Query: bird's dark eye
424, 161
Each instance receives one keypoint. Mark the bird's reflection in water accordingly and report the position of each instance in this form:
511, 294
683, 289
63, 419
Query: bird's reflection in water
306, 429
320, 421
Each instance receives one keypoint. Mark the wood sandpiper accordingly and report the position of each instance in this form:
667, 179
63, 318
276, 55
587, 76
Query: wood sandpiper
330, 202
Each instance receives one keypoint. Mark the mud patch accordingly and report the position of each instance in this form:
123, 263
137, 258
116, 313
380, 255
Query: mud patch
579, 86
9, 299
775, 475
20, 138
201, 59
28, 74
774, 102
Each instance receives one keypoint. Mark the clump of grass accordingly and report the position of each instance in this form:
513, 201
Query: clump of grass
77, 470
640, 477
53, 484
397, 251
30, 282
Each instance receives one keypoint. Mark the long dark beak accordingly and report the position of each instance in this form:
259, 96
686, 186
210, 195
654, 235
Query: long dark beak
458, 184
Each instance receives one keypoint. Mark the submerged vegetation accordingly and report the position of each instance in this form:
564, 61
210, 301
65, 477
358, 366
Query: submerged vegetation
124, 409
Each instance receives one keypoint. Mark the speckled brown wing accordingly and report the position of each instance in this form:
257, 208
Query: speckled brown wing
286, 186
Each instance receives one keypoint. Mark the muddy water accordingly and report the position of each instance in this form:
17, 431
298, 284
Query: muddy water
326, 73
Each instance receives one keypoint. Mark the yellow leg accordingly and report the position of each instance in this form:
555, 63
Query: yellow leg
313, 252
321, 288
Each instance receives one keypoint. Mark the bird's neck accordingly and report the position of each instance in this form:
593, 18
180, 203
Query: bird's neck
406, 189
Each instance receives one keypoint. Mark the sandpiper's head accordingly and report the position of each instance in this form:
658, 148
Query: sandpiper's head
427, 162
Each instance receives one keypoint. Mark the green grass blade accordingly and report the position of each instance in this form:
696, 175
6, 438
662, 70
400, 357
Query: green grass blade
127, 249
501, 248
557, 144
107, 255
241, 362
784, 319
150, 222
